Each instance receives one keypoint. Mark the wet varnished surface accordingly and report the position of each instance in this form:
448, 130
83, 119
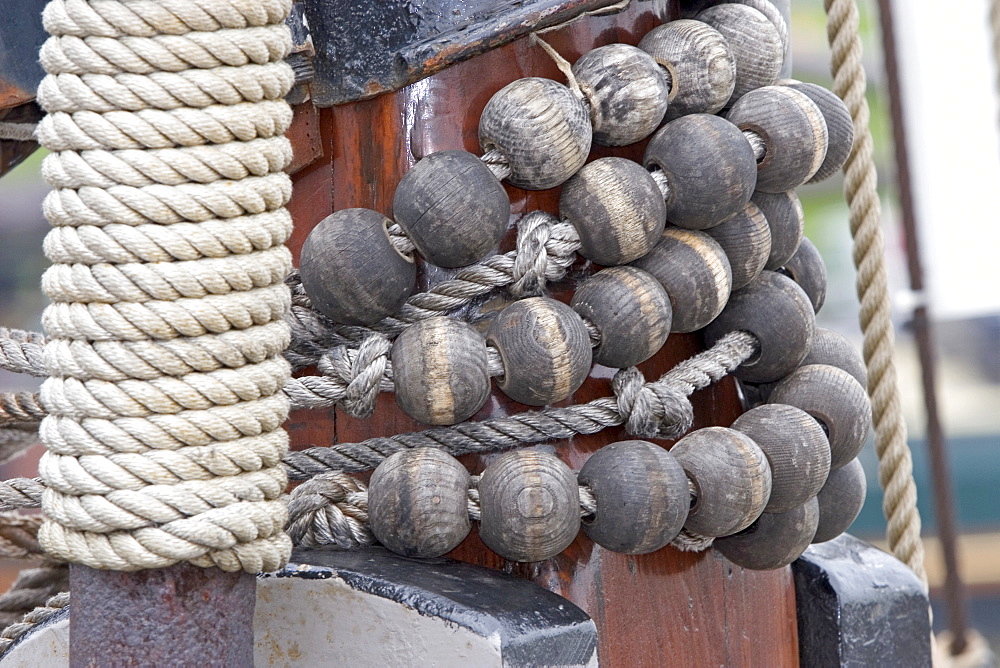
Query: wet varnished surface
667, 608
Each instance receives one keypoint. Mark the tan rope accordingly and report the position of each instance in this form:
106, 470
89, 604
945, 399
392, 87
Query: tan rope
860, 189
164, 336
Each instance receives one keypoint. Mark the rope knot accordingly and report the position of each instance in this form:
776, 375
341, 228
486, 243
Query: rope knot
330, 509
362, 372
651, 410
546, 247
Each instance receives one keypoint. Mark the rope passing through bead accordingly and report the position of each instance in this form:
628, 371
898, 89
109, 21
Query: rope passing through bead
126, 89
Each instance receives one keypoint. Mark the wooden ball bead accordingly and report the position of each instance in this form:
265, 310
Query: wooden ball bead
746, 240
626, 90
440, 371
754, 42
775, 310
839, 125
787, 223
541, 127
693, 269
840, 501
710, 169
452, 207
418, 503
836, 400
630, 309
692, 8
794, 134
642, 497
351, 271
616, 208
807, 269
830, 347
774, 541
530, 505
796, 449
545, 349
700, 67
731, 477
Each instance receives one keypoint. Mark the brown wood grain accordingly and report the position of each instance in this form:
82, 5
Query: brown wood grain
665, 608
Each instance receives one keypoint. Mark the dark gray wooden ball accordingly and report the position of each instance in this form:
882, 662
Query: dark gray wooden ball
794, 134
775, 310
774, 540
833, 348
630, 309
807, 269
418, 503
439, 369
530, 505
840, 501
541, 127
626, 90
616, 208
746, 240
452, 208
833, 397
731, 476
796, 449
545, 349
786, 221
351, 271
693, 269
754, 42
709, 166
839, 125
700, 68
642, 497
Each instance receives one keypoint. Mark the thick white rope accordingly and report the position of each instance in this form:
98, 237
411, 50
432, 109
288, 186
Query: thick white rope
895, 465
165, 332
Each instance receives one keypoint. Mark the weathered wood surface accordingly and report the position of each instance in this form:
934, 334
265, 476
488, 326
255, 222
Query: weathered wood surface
664, 607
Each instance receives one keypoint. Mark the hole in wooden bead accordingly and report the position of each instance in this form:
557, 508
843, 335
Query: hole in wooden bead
386, 224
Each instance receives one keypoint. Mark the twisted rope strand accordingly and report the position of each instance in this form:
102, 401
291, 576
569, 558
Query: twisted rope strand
39, 615
899, 502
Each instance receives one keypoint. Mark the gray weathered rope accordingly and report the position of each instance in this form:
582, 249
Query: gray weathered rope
657, 409
20, 407
52, 606
32, 588
17, 131
21, 352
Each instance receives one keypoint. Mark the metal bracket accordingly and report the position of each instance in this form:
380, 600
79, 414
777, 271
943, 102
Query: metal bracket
858, 606
364, 49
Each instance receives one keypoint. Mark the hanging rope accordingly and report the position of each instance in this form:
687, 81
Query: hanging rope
860, 189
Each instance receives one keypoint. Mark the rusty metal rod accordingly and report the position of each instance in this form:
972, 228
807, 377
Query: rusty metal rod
944, 505
178, 616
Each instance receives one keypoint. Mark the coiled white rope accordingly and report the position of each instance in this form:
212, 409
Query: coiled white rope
165, 333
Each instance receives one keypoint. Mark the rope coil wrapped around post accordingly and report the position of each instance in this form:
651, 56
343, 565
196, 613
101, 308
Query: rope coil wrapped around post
166, 118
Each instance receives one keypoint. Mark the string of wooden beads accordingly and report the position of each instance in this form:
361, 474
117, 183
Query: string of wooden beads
765, 487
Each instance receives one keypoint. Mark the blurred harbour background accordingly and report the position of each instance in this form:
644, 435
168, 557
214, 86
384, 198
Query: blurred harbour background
952, 109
